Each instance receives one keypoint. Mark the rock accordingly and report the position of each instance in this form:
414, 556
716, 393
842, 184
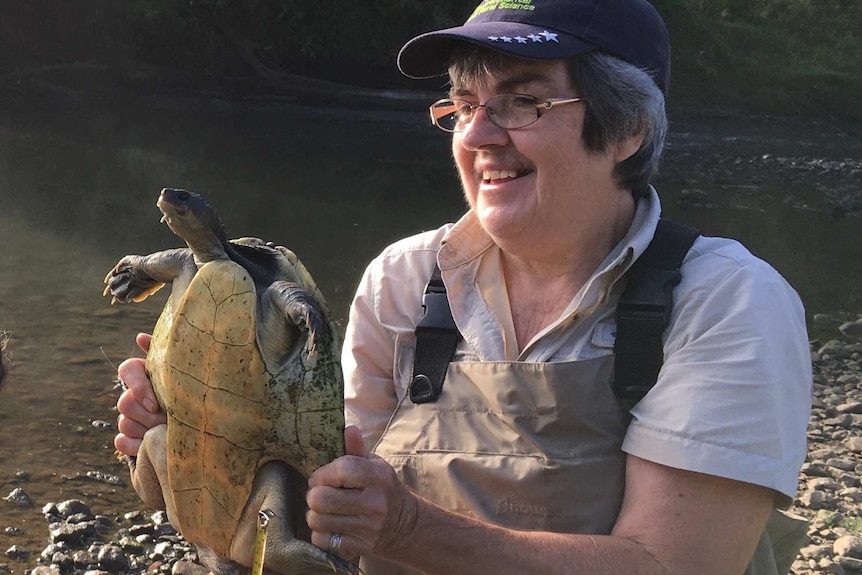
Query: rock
16, 552
113, 559
815, 470
817, 500
850, 407
62, 560
188, 568
848, 546
73, 533
73, 507
834, 349
851, 329
19, 497
815, 551
823, 484
854, 444
850, 564
842, 464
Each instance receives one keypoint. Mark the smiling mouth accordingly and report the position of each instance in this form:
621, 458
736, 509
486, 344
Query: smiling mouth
489, 176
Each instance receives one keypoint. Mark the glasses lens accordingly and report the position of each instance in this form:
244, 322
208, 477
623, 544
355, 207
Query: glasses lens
451, 115
511, 111
508, 111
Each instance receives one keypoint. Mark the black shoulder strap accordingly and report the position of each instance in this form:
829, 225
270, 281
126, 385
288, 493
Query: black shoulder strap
644, 310
436, 339
642, 315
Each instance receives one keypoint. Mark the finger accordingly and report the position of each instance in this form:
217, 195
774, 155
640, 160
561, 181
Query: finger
130, 428
351, 472
133, 374
132, 410
143, 340
333, 501
127, 445
351, 546
354, 443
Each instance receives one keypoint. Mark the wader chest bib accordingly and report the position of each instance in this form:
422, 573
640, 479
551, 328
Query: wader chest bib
525, 445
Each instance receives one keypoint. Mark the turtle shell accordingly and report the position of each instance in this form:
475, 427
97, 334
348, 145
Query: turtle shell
229, 409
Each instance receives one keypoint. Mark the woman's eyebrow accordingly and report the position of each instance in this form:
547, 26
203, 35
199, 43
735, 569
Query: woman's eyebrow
508, 84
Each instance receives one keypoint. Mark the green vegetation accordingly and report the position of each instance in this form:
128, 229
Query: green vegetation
853, 525
775, 56
780, 56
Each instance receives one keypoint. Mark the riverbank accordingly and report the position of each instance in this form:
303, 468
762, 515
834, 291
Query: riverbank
784, 57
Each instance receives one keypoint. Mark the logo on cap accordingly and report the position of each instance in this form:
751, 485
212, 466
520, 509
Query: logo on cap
489, 5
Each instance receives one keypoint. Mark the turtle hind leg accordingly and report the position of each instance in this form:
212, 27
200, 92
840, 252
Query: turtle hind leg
300, 309
280, 489
303, 558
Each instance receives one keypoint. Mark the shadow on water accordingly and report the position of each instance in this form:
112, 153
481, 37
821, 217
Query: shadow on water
79, 180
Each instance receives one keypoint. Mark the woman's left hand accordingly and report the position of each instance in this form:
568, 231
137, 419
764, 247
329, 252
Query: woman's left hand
359, 497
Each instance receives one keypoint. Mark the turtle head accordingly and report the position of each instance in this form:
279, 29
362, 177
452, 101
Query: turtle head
194, 219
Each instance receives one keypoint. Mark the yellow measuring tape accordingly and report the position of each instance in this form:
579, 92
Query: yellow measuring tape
263, 518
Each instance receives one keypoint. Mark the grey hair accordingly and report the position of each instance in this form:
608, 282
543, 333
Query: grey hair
622, 101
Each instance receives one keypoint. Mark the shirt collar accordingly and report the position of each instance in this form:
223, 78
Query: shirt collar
467, 240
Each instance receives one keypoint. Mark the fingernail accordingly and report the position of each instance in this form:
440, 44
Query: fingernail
151, 405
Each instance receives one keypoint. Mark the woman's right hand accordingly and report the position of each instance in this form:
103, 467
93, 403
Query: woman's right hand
138, 407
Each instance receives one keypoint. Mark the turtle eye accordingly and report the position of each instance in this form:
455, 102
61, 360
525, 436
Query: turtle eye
183, 195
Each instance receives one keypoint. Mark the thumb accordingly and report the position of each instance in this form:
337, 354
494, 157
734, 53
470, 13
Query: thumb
354, 444
143, 340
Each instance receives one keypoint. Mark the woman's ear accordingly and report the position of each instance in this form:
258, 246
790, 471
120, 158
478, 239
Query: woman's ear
625, 149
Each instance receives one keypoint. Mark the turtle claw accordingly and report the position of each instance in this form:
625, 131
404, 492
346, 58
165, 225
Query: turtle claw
339, 565
127, 282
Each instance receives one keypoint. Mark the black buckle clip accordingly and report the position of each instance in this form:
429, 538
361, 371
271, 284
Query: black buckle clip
437, 324
438, 316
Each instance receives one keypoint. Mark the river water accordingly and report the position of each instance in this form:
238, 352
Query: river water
79, 178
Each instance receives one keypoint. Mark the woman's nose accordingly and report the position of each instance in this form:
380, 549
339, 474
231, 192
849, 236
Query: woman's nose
481, 131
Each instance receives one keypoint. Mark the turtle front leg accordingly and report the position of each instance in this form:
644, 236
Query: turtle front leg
135, 278
300, 309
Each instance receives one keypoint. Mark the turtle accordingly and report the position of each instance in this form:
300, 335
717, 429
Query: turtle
244, 362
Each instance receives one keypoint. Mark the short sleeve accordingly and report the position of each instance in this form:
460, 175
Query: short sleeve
733, 397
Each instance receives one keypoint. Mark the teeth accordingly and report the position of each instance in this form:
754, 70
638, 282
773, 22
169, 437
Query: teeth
488, 175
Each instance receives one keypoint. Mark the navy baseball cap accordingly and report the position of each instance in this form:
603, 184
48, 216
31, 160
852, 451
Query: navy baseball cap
631, 30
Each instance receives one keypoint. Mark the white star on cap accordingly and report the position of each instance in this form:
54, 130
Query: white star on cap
493, 38
550, 36
534, 37
521, 39
506, 39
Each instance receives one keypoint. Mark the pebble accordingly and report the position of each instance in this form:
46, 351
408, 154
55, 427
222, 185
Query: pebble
19, 497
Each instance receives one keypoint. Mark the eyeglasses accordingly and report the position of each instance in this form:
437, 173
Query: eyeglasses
508, 111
